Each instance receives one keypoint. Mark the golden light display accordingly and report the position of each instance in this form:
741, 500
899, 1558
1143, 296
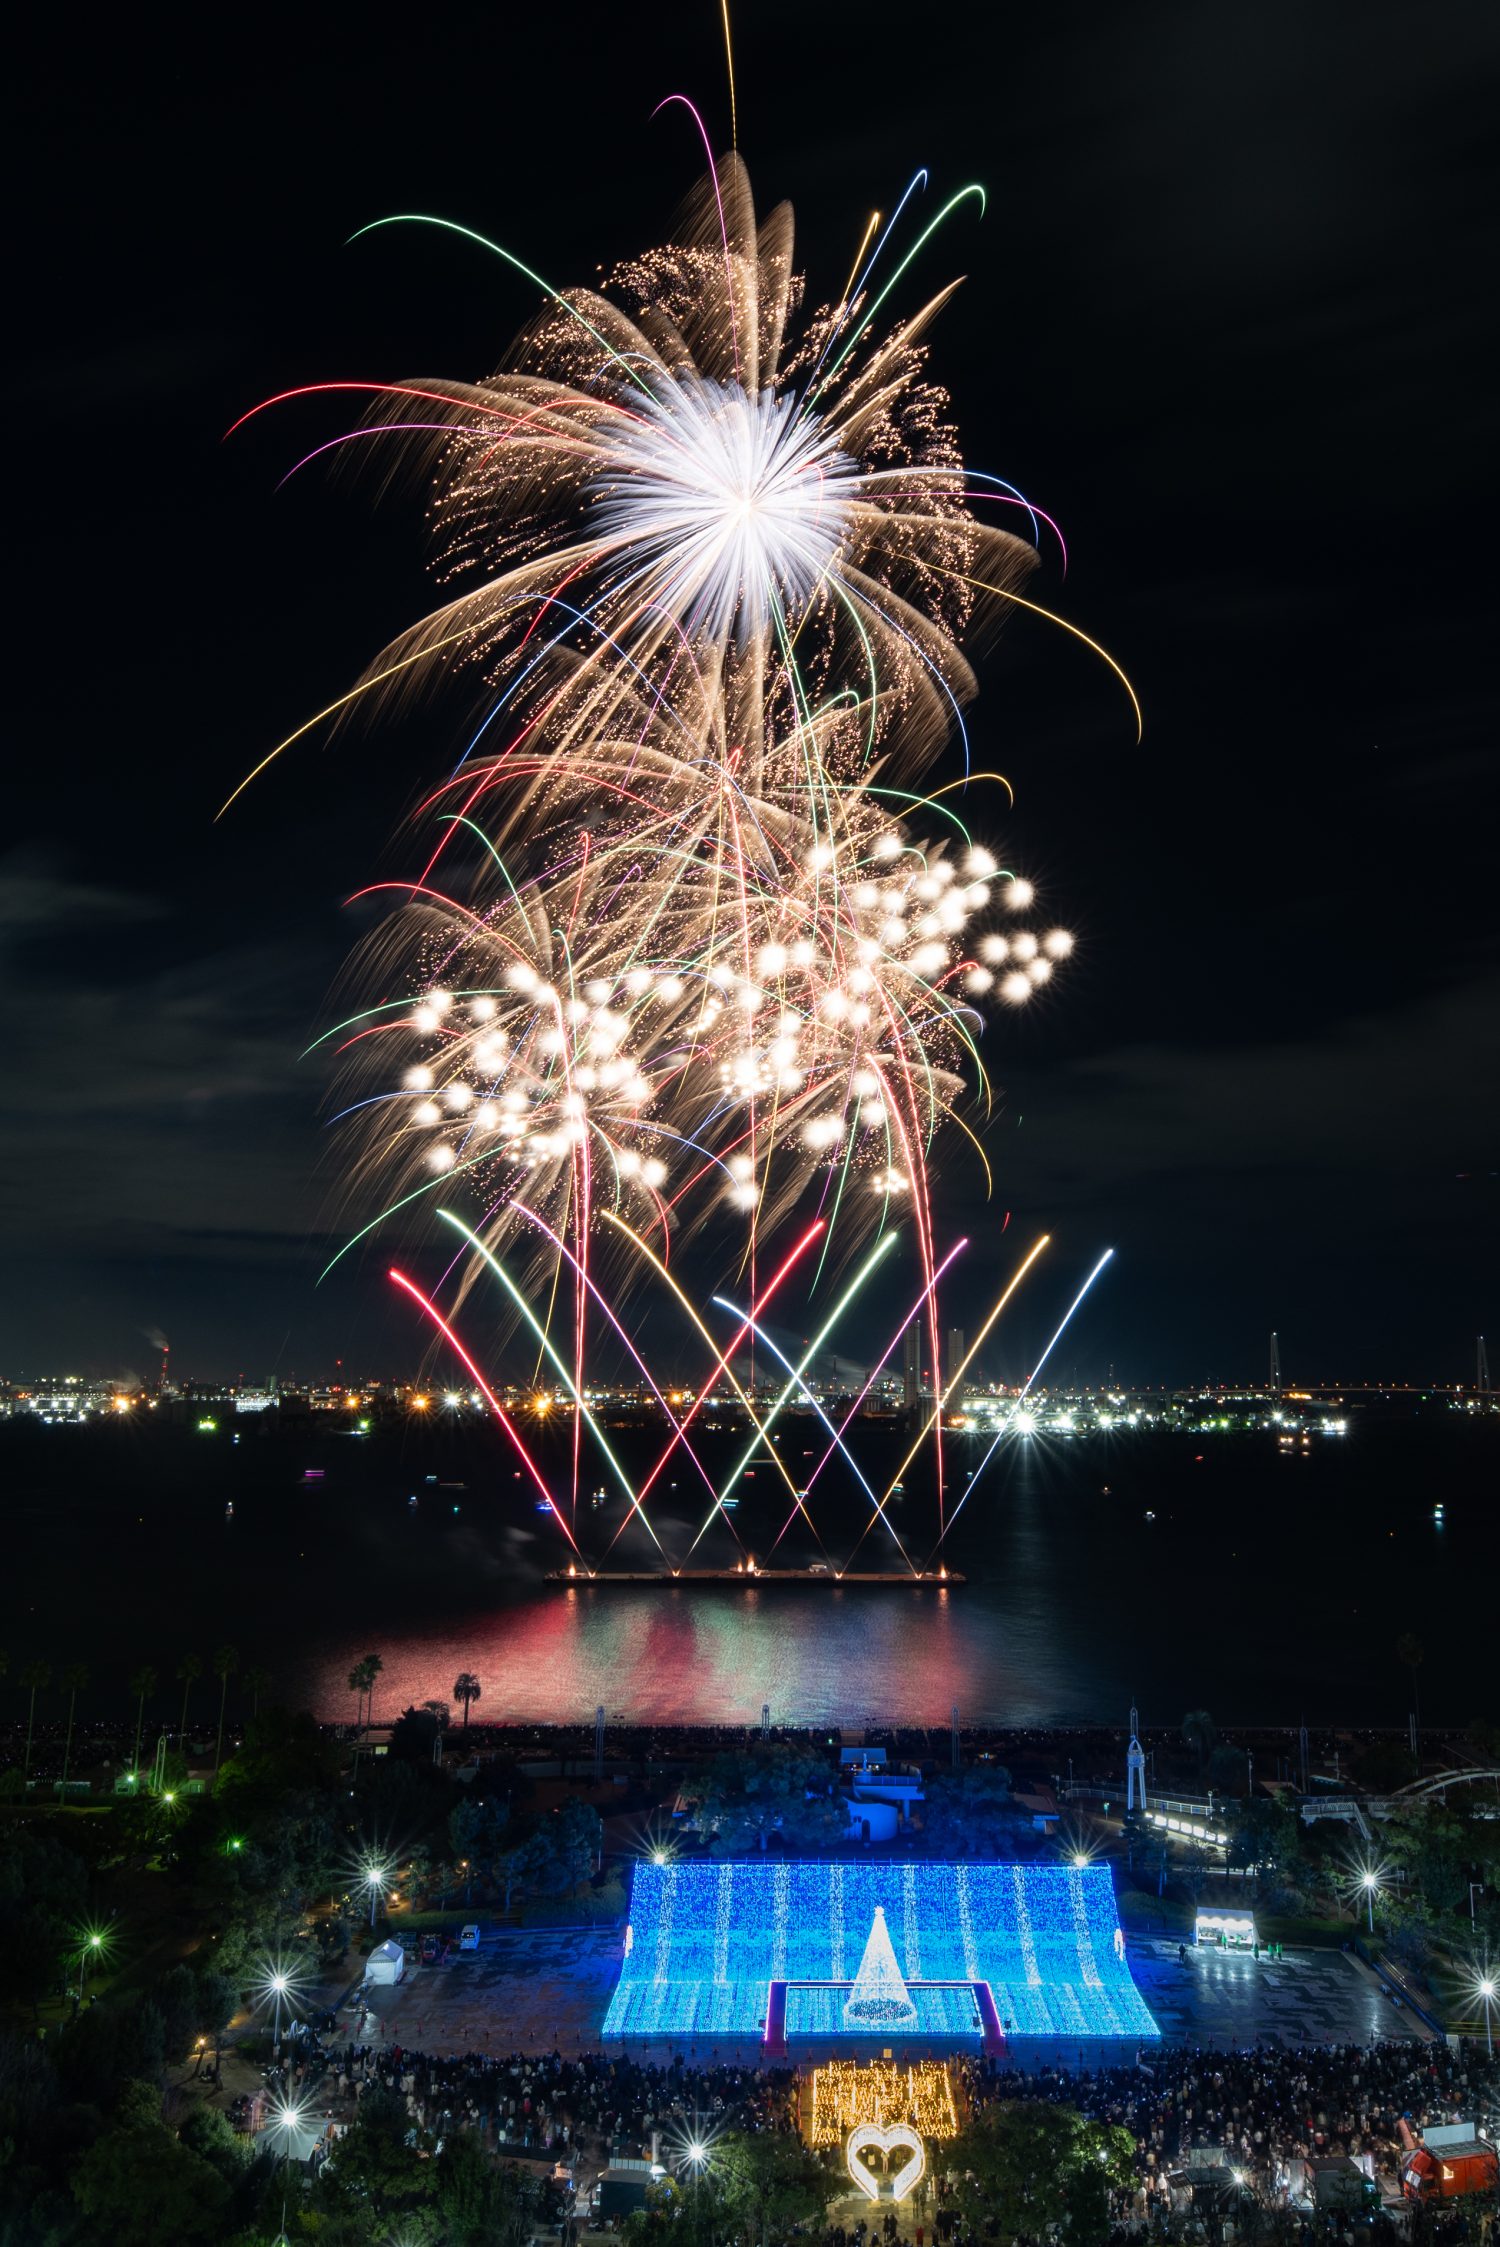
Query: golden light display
848, 2093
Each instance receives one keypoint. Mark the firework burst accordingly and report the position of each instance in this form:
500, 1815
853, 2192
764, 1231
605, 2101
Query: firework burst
688, 943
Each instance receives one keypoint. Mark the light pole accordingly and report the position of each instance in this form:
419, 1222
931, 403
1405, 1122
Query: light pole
695, 2160
375, 1881
1487, 1992
278, 1991
287, 2119
1369, 1882
89, 1949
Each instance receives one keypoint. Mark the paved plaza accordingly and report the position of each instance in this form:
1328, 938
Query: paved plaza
549, 1991
1309, 1997
519, 1992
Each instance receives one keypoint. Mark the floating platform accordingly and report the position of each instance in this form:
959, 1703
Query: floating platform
577, 1574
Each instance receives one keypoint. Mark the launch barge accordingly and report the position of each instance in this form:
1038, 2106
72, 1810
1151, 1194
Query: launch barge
579, 1573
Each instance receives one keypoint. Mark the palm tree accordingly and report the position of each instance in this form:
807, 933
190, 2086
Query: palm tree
36, 1677
226, 1662
142, 1685
362, 1682
72, 1681
466, 1688
189, 1669
256, 1682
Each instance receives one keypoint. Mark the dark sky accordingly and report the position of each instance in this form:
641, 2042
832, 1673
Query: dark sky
1225, 319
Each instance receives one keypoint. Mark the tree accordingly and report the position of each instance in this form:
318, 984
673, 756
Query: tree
139, 2185
72, 1682
522, 1863
142, 1685
482, 2205
255, 1682
1435, 1843
362, 1683
573, 1835
375, 2160
969, 1812
218, 2002
1199, 1733
226, 1662
176, 1998
466, 1688
1025, 2165
415, 1733
189, 1670
36, 1677
1228, 1772
207, 2133
747, 1794
768, 2183
475, 1830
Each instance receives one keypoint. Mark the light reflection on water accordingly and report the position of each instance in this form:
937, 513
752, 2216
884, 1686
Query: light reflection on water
1263, 1591
710, 1656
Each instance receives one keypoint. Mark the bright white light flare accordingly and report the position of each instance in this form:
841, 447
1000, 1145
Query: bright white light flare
728, 505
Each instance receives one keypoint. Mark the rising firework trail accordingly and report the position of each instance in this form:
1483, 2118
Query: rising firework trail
1004, 1429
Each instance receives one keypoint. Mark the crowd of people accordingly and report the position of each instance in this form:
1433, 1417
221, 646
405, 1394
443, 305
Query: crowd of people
1265, 2107
1258, 2110
541, 2106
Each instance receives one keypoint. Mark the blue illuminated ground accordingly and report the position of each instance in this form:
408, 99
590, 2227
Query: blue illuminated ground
818, 2010
708, 1940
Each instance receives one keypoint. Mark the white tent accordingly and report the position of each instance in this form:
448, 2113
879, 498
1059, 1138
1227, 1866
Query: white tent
386, 1963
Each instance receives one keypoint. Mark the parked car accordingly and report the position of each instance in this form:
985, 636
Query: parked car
469, 1939
432, 1950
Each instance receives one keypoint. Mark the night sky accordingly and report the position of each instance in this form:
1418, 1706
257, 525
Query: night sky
1225, 319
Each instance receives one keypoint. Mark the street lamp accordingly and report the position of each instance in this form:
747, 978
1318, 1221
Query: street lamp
1369, 1881
375, 1878
1487, 1992
88, 1950
288, 2119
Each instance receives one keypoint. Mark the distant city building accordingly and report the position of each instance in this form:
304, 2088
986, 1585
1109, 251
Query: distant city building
954, 1360
911, 1366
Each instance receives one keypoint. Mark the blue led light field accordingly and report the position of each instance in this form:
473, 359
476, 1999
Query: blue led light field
948, 2013
708, 1940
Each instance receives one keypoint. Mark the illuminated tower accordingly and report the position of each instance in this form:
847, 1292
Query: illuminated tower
1135, 1765
911, 1367
1481, 1366
1275, 1371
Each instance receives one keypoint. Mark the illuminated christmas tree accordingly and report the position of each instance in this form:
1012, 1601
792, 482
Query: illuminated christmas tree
879, 1998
